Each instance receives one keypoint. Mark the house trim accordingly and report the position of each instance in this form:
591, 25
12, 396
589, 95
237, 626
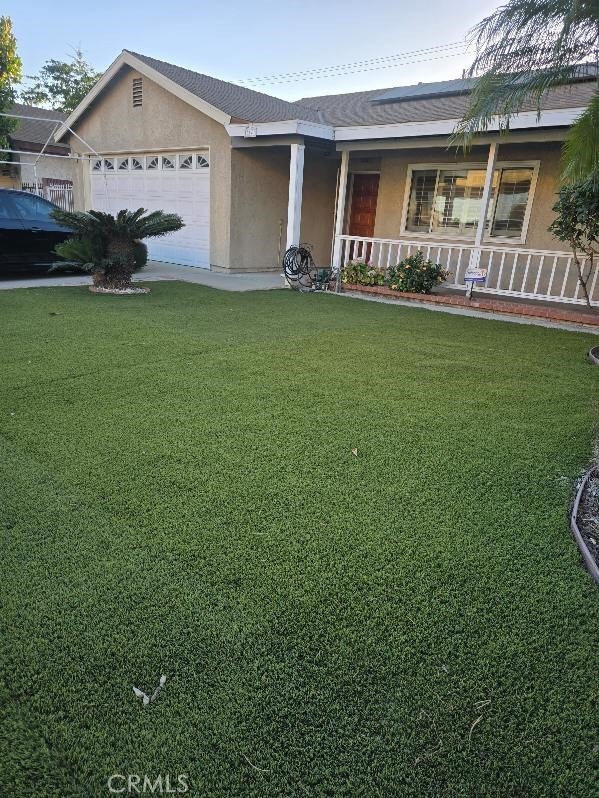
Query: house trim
284, 128
526, 120
559, 117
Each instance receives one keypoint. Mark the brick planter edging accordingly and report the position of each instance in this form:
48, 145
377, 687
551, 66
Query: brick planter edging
495, 305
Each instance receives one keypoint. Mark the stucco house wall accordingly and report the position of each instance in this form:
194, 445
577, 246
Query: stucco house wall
259, 198
163, 122
59, 168
394, 170
259, 195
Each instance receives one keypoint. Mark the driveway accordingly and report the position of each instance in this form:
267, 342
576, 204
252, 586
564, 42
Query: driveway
253, 281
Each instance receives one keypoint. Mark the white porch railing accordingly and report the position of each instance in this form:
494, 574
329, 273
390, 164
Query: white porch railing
527, 273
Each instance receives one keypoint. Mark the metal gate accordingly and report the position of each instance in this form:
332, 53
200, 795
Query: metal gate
60, 192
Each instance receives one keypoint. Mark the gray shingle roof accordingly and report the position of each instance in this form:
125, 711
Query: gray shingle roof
34, 131
422, 90
445, 88
238, 102
423, 102
359, 109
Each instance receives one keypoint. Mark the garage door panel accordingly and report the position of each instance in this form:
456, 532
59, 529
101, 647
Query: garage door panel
182, 191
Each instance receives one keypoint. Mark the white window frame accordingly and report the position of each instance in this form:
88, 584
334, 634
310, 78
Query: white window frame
145, 157
170, 157
181, 157
417, 167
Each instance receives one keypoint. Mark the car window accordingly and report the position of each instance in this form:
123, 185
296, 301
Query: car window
33, 208
7, 207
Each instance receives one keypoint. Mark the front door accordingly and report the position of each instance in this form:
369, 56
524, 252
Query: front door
362, 215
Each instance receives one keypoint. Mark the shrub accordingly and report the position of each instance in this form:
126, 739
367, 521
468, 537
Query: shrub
81, 252
416, 275
577, 222
109, 246
360, 272
76, 251
140, 253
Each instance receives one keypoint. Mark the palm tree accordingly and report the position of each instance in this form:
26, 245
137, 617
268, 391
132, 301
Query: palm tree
112, 241
524, 49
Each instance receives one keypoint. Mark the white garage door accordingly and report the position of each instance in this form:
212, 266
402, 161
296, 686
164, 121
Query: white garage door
172, 183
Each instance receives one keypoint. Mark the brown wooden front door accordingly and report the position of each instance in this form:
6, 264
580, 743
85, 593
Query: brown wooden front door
362, 214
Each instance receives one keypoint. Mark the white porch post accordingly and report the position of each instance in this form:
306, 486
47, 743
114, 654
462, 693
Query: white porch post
294, 208
484, 209
340, 210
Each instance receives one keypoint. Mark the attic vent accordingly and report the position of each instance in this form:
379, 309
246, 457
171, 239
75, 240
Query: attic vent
137, 92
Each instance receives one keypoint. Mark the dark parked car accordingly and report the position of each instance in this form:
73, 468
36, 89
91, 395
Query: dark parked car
28, 234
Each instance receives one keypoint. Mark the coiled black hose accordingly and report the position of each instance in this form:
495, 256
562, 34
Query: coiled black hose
298, 261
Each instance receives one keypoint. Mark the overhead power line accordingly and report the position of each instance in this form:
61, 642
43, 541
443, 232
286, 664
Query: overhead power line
357, 64
356, 71
448, 50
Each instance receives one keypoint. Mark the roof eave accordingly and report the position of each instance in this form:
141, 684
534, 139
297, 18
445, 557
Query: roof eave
284, 127
549, 118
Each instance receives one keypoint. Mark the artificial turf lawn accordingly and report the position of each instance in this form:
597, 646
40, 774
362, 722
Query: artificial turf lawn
179, 496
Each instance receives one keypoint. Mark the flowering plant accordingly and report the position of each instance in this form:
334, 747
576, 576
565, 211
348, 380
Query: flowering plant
416, 275
361, 272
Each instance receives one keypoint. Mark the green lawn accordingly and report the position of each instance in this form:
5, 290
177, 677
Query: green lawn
178, 495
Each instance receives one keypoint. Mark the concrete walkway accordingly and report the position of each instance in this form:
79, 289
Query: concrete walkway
253, 281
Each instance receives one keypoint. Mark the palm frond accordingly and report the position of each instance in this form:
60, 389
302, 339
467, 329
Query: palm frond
155, 224
78, 221
523, 50
497, 96
581, 148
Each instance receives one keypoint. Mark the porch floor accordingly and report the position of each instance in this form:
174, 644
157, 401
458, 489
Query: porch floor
554, 313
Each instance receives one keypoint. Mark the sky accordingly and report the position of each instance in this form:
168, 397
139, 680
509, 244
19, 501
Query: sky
237, 41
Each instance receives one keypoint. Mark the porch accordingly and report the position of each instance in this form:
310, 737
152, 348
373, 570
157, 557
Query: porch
485, 215
518, 273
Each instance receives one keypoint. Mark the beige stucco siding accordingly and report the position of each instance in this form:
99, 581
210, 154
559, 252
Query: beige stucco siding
163, 122
60, 168
394, 169
259, 196
318, 204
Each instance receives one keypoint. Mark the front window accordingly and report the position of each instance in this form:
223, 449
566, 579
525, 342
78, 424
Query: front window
447, 202
511, 202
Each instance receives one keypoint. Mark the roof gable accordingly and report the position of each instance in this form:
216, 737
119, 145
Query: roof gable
216, 98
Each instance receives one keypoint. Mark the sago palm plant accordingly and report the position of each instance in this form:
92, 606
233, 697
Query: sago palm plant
112, 241
524, 49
